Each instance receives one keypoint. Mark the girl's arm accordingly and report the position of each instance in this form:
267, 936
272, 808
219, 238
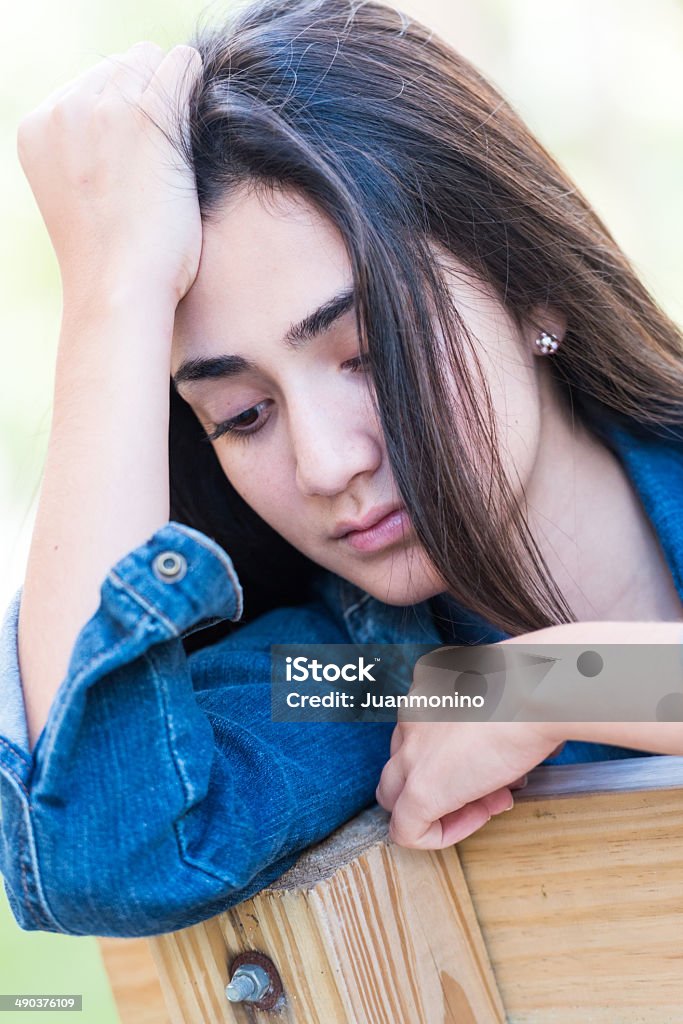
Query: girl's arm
160, 791
124, 221
656, 737
445, 780
156, 790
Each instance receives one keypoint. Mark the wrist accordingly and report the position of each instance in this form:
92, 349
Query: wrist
121, 299
121, 322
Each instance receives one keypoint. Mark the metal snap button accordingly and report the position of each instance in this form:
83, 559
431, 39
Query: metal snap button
169, 566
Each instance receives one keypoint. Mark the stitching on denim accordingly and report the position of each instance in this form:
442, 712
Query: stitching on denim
32, 844
14, 775
216, 550
39, 882
144, 604
160, 688
354, 607
177, 825
89, 666
27, 899
16, 750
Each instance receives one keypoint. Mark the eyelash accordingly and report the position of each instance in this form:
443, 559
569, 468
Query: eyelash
229, 428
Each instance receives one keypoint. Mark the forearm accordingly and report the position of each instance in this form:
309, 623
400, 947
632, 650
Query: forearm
655, 737
105, 482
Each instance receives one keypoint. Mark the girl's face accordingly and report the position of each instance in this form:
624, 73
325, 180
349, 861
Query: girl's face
265, 341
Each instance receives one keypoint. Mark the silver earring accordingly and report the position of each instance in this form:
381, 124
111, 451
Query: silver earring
547, 343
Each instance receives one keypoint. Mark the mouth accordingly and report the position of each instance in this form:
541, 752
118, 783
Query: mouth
379, 529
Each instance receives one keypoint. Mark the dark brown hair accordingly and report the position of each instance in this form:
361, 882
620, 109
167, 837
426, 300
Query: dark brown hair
401, 142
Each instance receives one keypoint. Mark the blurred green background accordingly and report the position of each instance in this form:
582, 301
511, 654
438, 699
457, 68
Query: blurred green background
599, 81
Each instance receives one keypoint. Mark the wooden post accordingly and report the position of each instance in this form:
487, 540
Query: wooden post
568, 908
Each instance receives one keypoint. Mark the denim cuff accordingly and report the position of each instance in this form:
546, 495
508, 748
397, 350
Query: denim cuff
178, 581
180, 576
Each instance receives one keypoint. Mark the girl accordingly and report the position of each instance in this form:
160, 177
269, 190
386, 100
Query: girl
417, 394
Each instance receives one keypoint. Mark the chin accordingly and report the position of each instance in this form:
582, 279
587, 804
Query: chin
402, 588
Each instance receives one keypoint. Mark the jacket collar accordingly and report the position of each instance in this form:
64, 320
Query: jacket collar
653, 463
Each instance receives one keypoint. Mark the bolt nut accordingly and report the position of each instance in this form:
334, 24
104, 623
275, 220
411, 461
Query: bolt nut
249, 984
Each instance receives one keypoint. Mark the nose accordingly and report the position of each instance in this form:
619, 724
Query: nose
333, 445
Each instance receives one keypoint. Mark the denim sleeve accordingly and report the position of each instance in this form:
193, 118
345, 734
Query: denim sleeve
160, 792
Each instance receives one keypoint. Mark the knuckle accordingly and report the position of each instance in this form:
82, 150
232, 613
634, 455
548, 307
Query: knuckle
400, 835
416, 792
148, 53
25, 128
108, 109
429, 806
396, 833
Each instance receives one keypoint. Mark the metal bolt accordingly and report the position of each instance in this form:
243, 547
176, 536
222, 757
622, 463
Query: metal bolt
249, 984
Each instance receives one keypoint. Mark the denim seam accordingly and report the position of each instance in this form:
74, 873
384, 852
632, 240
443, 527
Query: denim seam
144, 604
29, 843
16, 750
93, 663
20, 782
354, 607
223, 878
221, 555
24, 884
39, 883
27, 809
160, 687
167, 715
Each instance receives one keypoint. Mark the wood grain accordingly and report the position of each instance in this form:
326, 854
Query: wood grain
567, 909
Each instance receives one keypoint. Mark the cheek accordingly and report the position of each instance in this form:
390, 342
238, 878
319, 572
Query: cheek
518, 412
510, 378
262, 481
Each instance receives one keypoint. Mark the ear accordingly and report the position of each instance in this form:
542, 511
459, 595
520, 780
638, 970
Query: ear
546, 318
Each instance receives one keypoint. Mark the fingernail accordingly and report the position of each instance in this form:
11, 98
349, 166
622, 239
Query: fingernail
510, 807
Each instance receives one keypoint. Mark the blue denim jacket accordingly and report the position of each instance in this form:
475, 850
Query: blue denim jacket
160, 792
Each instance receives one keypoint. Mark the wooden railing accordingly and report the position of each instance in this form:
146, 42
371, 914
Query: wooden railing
567, 909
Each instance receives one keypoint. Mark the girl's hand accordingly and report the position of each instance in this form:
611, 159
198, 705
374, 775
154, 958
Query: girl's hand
119, 202
444, 780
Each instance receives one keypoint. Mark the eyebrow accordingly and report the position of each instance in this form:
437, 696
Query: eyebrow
297, 336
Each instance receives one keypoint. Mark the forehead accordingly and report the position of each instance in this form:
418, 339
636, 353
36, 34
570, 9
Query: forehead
265, 262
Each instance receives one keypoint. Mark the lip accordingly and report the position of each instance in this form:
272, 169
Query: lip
378, 529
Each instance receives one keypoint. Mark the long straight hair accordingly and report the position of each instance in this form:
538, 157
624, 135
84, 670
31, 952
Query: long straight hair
401, 143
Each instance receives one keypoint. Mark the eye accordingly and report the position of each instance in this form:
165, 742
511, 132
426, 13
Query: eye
242, 425
359, 362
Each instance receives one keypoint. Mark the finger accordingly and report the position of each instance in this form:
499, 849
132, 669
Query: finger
174, 76
412, 824
397, 737
391, 783
93, 81
430, 838
519, 783
88, 81
498, 801
462, 823
131, 72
